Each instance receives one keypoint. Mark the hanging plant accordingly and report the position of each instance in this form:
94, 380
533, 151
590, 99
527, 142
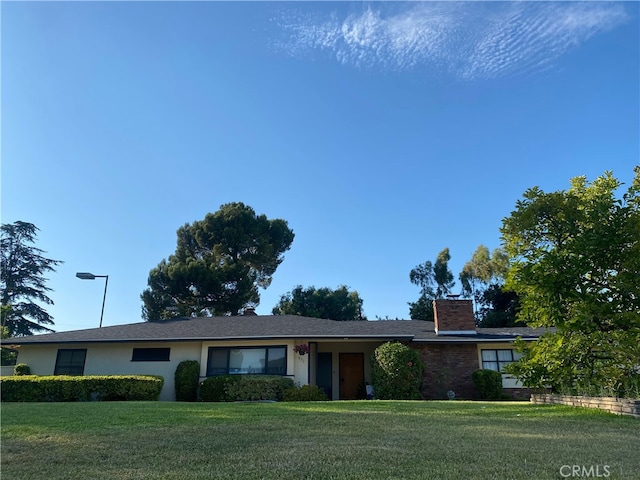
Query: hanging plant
301, 349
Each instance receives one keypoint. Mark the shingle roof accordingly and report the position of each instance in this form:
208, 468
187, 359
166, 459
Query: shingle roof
269, 327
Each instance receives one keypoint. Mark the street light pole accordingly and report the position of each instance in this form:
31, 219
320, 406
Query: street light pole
91, 276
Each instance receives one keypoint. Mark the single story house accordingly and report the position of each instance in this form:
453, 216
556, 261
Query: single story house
331, 354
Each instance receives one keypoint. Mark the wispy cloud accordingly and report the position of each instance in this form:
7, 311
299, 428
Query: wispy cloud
469, 40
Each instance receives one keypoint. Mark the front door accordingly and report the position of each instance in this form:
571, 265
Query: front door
351, 375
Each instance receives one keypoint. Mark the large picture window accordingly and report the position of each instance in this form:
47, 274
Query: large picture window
70, 361
249, 360
497, 359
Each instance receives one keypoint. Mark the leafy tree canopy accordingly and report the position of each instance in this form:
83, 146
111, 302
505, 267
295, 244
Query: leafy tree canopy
575, 263
483, 270
435, 281
218, 265
339, 304
498, 307
22, 280
482, 279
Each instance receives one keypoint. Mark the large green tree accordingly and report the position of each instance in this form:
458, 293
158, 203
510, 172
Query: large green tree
338, 304
218, 266
575, 263
435, 281
22, 280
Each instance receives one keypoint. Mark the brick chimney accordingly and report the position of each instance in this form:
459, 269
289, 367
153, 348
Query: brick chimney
249, 312
454, 317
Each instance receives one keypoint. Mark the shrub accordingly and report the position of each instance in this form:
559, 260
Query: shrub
396, 372
61, 388
488, 383
214, 389
186, 381
22, 369
305, 393
259, 387
233, 388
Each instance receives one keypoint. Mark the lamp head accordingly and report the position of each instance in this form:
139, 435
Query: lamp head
86, 276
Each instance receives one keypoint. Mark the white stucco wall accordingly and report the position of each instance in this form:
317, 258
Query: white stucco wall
114, 359
41, 358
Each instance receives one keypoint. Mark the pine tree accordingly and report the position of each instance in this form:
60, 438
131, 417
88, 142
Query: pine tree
22, 280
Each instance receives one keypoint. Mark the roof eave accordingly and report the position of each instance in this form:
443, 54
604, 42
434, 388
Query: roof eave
217, 339
474, 339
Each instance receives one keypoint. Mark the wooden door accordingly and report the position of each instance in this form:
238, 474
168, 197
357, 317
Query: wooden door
351, 375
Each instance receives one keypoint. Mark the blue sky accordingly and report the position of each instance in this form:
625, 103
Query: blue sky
382, 132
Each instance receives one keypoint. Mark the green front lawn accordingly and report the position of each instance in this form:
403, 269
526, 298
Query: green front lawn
328, 440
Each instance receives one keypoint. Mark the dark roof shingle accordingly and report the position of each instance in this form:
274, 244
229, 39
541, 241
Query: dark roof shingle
268, 326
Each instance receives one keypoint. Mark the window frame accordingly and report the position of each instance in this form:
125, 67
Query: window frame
500, 363
151, 354
228, 350
72, 367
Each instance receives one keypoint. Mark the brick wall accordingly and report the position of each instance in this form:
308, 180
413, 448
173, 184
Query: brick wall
454, 315
448, 367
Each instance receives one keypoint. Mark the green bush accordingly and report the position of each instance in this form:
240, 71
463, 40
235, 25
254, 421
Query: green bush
488, 383
305, 393
259, 387
61, 388
234, 388
186, 381
22, 369
214, 389
396, 372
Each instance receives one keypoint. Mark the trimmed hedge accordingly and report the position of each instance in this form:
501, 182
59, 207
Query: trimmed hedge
305, 393
488, 383
186, 381
396, 372
62, 388
214, 389
243, 388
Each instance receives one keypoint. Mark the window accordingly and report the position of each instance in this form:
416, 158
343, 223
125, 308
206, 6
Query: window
250, 360
150, 354
70, 361
497, 359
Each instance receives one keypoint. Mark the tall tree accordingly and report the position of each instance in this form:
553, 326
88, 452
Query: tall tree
575, 263
498, 307
339, 304
7, 356
218, 265
483, 270
482, 279
435, 281
22, 280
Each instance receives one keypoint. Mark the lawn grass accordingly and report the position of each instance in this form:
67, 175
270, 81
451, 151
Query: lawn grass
324, 440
